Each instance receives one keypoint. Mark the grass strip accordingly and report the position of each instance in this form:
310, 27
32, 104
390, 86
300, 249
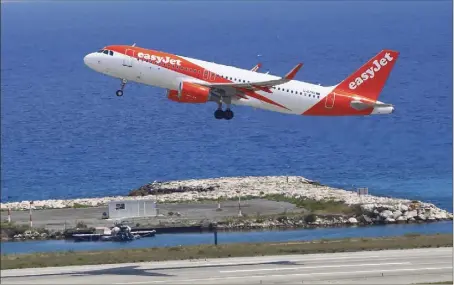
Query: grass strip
12, 261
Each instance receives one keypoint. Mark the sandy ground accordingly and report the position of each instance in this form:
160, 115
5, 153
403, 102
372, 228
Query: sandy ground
58, 219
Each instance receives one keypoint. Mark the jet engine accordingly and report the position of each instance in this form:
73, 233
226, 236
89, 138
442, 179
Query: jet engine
189, 93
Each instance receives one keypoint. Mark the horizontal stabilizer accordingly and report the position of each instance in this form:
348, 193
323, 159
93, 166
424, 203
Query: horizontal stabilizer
360, 105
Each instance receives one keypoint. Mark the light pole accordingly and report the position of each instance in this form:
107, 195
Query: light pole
239, 203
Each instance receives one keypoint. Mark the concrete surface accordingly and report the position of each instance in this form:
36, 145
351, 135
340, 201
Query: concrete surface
379, 267
58, 219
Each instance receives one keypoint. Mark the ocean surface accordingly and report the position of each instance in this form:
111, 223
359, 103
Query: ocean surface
65, 134
186, 239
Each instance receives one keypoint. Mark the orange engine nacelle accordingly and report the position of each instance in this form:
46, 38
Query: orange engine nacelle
189, 93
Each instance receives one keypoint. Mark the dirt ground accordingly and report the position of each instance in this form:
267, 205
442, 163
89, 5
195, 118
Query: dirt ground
59, 219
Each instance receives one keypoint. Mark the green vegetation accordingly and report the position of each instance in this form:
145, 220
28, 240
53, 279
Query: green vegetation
78, 206
318, 207
225, 250
9, 230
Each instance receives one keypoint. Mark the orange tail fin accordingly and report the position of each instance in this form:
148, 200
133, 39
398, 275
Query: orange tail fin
369, 80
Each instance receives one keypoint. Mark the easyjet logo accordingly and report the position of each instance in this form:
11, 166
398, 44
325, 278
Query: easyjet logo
371, 72
159, 59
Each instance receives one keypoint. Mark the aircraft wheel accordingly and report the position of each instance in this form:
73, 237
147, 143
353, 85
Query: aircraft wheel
228, 114
219, 114
119, 93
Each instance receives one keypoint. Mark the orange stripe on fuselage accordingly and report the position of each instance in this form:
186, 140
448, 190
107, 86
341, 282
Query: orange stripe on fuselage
185, 67
337, 103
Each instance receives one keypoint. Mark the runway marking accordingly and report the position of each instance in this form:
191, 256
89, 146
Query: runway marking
169, 264
313, 267
286, 275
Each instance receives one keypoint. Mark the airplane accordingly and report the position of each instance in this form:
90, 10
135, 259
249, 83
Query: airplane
194, 81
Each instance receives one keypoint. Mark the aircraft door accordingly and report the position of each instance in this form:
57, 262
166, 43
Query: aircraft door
128, 60
329, 100
209, 76
206, 74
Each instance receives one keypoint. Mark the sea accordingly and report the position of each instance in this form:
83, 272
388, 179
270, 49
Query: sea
64, 133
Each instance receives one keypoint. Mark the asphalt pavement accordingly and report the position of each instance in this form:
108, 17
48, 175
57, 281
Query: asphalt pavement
371, 267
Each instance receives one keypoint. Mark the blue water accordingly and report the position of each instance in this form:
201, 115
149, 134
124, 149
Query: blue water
164, 240
65, 133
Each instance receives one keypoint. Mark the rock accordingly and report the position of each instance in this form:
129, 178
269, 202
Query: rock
403, 208
401, 219
389, 220
421, 217
366, 219
441, 216
368, 208
352, 220
411, 214
397, 214
431, 219
385, 214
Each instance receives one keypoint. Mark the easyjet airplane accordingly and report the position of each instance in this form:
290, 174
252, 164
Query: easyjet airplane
190, 80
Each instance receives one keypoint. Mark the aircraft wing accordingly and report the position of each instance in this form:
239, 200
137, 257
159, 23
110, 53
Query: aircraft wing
258, 85
255, 68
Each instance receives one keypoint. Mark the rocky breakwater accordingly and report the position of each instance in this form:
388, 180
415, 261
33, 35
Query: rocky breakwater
327, 205
361, 215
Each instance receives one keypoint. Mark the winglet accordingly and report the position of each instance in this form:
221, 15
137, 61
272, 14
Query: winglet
293, 72
255, 68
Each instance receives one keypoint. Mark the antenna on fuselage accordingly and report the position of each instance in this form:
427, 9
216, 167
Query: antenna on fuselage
134, 44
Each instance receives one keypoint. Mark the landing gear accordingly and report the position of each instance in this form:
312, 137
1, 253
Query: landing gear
228, 114
219, 114
119, 92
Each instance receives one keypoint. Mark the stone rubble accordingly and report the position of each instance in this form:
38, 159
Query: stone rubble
375, 209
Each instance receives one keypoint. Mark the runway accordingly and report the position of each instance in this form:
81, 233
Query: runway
372, 267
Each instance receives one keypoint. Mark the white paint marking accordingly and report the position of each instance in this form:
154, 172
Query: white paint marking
287, 275
313, 267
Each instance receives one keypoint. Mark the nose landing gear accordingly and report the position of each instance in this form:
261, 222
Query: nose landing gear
122, 86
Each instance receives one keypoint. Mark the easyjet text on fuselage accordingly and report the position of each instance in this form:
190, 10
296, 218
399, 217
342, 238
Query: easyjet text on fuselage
159, 59
370, 72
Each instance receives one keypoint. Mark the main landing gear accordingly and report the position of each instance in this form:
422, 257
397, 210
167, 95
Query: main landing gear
221, 114
120, 91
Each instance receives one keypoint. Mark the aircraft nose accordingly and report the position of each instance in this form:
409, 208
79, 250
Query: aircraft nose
90, 60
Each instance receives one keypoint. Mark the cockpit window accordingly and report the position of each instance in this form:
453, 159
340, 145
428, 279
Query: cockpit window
110, 52
105, 51
100, 51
